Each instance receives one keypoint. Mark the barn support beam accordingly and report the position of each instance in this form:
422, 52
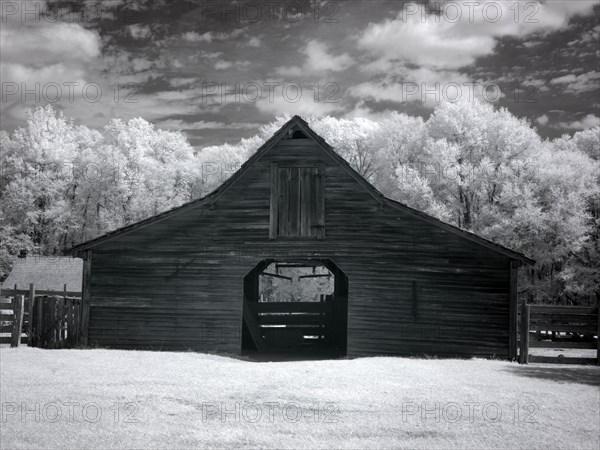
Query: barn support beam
514, 305
86, 297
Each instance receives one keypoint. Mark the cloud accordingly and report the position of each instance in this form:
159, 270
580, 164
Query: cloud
140, 64
423, 43
296, 100
462, 33
542, 120
47, 43
254, 42
318, 60
138, 31
224, 65
589, 121
192, 36
180, 82
173, 124
578, 83
44, 57
209, 36
423, 85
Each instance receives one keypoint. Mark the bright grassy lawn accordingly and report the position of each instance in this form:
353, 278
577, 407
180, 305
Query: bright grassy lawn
182, 400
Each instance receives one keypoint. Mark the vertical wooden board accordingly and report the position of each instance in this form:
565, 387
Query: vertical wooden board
42, 320
274, 205
598, 336
314, 219
18, 307
63, 318
320, 199
524, 334
77, 318
72, 327
284, 196
513, 310
304, 201
307, 202
86, 296
30, 325
60, 315
39, 321
294, 202
52, 326
415, 302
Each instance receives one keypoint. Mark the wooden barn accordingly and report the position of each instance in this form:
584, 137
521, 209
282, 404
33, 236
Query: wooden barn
402, 282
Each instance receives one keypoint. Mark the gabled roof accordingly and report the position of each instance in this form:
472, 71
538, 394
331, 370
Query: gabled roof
48, 273
294, 123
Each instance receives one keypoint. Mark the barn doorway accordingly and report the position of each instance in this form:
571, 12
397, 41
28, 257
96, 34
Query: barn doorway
295, 309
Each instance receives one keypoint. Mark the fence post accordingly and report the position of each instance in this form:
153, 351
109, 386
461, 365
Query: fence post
32, 339
18, 306
525, 319
63, 318
598, 336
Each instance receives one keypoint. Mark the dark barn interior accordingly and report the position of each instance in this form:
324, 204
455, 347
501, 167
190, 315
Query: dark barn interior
303, 327
195, 277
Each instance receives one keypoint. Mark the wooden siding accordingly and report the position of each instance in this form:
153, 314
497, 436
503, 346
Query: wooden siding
178, 283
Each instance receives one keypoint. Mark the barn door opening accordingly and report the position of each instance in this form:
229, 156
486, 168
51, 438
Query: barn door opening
295, 309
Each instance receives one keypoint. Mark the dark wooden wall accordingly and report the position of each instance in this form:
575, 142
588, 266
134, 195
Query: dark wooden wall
414, 288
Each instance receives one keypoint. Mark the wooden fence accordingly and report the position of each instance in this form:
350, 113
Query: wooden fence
563, 327
46, 319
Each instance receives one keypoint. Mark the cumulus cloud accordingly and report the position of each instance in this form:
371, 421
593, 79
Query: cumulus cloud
46, 43
462, 32
542, 120
433, 48
138, 31
294, 100
193, 36
44, 57
318, 60
426, 86
589, 81
209, 36
254, 42
589, 121
224, 65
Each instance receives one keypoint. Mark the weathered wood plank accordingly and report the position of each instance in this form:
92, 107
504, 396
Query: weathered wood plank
17, 321
583, 329
274, 307
556, 309
86, 297
560, 360
10, 292
561, 344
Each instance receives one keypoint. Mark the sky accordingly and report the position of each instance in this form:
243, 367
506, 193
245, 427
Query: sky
218, 70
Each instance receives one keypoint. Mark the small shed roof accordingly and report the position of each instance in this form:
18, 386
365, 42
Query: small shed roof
46, 273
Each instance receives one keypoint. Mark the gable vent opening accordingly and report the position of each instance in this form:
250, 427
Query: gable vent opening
297, 134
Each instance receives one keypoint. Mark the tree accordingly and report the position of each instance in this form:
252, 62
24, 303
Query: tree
63, 184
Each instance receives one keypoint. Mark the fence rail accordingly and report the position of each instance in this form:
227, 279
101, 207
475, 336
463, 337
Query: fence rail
540, 325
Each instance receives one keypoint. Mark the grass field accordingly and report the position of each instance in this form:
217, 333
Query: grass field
129, 399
